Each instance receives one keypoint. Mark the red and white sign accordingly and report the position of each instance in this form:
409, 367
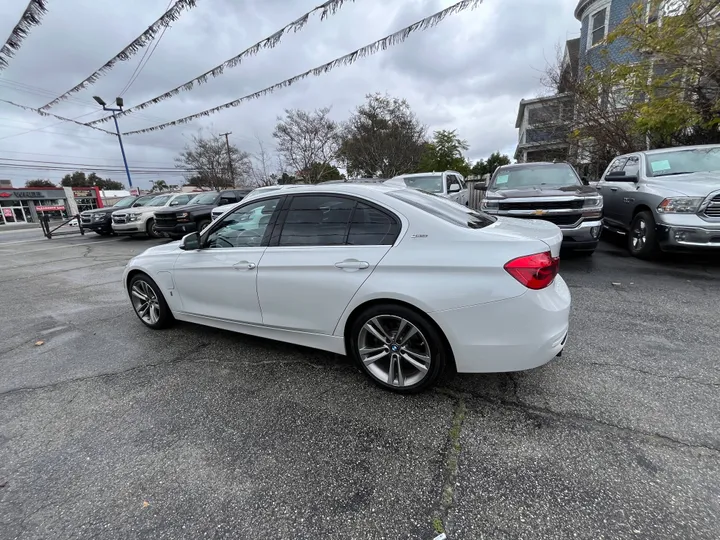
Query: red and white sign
49, 208
8, 212
5, 194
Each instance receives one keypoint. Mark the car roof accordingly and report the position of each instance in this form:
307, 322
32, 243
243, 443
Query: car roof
533, 164
434, 173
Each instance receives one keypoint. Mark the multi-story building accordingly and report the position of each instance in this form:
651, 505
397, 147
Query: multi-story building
597, 19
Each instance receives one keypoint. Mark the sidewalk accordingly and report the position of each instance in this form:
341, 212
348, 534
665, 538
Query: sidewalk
18, 227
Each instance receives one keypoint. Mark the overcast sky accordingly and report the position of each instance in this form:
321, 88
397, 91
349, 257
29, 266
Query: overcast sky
468, 73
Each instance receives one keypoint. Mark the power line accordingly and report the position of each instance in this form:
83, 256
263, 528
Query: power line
43, 113
130, 50
32, 16
328, 8
139, 68
368, 50
14, 161
79, 157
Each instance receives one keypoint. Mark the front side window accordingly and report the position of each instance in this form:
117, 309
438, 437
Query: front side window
632, 167
181, 200
245, 227
431, 183
317, 220
616, 165
598, 26
124, 203
534, 176
144, 201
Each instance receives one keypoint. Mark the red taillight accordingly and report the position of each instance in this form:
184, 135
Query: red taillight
534, 271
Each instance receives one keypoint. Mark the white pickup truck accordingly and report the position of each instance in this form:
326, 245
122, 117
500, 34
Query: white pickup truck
449, 184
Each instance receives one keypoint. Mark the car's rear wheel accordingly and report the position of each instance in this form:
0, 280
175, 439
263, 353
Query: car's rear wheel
642, 239
149, 303
150, 229
397, 348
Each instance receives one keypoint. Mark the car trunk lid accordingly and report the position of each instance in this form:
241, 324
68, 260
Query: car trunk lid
548, 233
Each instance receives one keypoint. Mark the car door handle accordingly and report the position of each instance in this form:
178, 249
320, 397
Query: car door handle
352, 264
244, 265
613, 189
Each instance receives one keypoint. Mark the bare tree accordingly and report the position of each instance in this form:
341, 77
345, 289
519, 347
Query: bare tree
263, 173
205, 162
382, 138
306, 138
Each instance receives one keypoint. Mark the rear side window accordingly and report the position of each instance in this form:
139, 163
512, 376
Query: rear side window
372, 227
319, 220
443, 208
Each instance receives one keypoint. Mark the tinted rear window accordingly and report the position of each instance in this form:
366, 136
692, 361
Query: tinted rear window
443, 208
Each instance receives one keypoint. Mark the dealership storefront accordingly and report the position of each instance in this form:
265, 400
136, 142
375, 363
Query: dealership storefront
25, 205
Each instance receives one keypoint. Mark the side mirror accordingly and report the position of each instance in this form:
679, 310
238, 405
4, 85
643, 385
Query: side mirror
454, 188
190, 242
620, 176
481, 184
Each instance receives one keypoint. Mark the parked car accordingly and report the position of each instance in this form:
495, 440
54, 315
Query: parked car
141, 220
449, 184
197, 214
552, 192
665, 199
220, 210
100, 220
403, 282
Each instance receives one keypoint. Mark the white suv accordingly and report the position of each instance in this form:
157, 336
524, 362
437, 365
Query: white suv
141, 220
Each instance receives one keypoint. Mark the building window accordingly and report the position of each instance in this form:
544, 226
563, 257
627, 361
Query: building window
598, 26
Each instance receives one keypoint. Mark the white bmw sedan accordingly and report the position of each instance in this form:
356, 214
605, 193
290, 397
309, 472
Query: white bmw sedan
402, 281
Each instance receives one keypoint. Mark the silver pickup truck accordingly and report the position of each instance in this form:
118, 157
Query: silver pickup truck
665, 199
552, 192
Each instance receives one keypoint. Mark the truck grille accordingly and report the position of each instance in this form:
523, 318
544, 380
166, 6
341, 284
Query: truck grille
119, 218
165, 220
559, 220
86, 219
542, 205
713, 209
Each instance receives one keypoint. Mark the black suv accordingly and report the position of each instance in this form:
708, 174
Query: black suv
99, 220
196, 215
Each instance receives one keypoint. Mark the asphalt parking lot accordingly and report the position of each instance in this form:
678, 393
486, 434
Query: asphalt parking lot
111, 430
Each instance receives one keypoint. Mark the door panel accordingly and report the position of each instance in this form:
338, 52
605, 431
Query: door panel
626, 192
611, 193
308, 287
220, 283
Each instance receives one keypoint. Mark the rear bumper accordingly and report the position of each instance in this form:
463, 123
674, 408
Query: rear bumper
509, 335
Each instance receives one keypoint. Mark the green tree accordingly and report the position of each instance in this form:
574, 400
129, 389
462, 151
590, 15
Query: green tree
383, 137
159, 185
319, 172
39, 183
76, 179
205, 163
489, 165
444, 153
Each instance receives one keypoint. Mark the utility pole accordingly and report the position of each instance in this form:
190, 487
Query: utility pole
230, 167
119, 103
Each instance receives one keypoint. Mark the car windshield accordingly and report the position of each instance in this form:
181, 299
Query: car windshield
559, 175
430, 183
124, 203
683, 161
444, 209
144, 201
205, 198
160, 200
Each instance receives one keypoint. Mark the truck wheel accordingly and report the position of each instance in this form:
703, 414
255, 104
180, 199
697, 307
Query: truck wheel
201, 225
642, 238
150, 229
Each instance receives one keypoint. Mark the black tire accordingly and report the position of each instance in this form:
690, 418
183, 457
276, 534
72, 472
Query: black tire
165, 317
642, 237
202, 224
150, 229
427, 336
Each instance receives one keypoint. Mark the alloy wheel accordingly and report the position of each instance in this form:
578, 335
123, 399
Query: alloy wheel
394, 350
145, 302
639, 235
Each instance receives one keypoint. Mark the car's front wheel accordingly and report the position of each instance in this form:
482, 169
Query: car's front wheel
397, 348
149, 303
642, 239
150, 229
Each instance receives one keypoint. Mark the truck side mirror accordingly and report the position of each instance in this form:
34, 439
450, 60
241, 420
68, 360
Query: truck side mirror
454, 188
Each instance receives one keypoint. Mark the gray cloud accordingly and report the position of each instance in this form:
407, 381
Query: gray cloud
468, 73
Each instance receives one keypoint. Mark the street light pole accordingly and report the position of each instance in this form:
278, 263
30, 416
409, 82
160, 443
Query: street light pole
119, 103
230, 167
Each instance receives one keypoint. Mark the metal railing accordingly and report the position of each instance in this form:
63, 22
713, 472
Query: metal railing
48, 232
